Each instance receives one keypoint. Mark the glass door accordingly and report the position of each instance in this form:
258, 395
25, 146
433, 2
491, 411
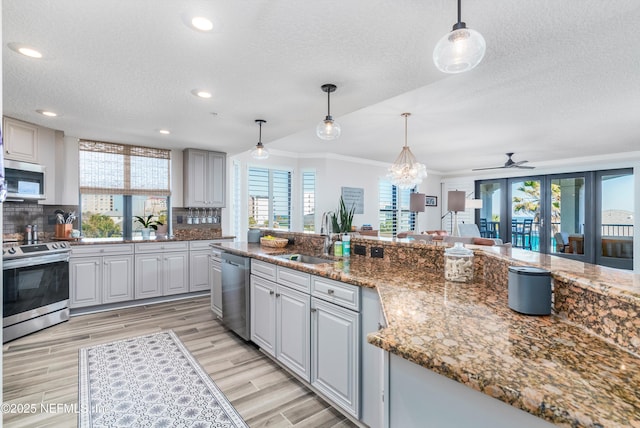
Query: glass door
492, 212
527, 213
614, 218
568, 217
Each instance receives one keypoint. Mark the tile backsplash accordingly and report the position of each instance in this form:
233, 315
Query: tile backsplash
16, 215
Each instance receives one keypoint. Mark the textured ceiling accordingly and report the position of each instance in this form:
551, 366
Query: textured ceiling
560, 79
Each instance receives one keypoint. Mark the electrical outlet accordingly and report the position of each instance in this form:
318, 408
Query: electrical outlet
377, 252
179, 219
360, 250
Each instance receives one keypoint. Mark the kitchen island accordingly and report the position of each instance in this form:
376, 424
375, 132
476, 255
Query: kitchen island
549, 366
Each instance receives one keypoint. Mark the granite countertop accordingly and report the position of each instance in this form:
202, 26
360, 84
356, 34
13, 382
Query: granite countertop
541, 364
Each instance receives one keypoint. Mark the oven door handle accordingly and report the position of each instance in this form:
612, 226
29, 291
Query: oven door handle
35, 260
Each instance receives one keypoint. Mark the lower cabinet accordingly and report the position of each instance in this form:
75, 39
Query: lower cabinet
161, 274
96, 278
335, 353
199, 272
216, 284
312, 326
161, 269
280, 324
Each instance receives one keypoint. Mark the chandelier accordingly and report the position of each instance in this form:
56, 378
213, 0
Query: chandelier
406, 172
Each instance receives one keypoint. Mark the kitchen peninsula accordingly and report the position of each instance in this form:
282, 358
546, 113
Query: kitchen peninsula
577, 367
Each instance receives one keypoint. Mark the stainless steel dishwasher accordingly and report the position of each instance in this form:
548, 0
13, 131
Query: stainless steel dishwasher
236, 295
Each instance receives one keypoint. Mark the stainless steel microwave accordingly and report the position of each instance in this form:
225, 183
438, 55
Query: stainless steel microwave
23, 180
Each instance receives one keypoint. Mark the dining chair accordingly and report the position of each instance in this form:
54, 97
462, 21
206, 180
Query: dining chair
516, 233
484, 230
562, 241
527, 229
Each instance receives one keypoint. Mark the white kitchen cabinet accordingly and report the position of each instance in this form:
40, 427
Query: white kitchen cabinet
117, 278
20, 140
149, 276
216, 285
199, 270
204, 178
280, 323
100, 274
176, 274
263, 314
335, 354
85, 281
161, 269
293, 329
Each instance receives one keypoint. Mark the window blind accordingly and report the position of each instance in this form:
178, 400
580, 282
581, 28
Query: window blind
281, 199
111, 168
258, 186
269, 198
309, 199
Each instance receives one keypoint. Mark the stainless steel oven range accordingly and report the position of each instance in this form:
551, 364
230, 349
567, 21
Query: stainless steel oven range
35, 286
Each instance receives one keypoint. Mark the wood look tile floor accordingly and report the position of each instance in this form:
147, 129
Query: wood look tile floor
43, 367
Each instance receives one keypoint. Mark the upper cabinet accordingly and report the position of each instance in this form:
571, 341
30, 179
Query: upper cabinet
20, 140
204, 178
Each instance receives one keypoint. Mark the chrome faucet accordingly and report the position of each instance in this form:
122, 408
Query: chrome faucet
325, 230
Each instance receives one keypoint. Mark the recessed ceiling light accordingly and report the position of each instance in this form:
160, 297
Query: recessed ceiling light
201, 93
201, 23
164, 131
47, 113
25, 50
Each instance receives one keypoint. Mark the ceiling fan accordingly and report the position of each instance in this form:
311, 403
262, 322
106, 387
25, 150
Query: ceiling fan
510, 163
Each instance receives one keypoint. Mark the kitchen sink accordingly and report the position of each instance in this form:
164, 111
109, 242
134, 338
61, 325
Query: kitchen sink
303, 258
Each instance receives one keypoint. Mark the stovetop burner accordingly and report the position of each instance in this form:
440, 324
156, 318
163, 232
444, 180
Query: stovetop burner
14, 250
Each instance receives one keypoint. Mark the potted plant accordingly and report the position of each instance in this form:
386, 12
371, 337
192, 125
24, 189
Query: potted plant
341, 221
147, 224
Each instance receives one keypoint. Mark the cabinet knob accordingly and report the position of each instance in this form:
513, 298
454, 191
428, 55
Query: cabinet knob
277, 294
330, 291
271, 292
313, 309
96, 263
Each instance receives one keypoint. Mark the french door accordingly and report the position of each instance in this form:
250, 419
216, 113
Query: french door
587, 216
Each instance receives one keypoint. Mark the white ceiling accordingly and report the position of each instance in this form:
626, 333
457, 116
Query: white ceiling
560, 79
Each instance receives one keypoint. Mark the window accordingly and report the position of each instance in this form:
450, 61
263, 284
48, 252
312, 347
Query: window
269, 198
118, 182
309, 201
394, 213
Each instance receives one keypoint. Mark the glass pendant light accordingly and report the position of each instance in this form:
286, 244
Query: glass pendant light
460, 50
406, 172
260, 152
328, 129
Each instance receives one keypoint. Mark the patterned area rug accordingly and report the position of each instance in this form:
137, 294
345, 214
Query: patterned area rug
149, 381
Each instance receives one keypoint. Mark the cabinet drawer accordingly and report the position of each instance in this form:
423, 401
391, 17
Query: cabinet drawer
200, 245
342, 294
152, 247
263, 269
100, 250
297, 280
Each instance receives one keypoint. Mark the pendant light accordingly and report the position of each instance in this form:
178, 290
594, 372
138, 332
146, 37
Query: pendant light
260, 152
406, 172
328, 129
460, 50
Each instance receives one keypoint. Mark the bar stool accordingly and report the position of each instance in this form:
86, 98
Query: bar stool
527, 228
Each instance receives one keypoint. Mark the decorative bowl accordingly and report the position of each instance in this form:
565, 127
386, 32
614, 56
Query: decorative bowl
274, 242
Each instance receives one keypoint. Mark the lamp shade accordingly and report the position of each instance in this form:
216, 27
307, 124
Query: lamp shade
456, 200
417, 202
474, 203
